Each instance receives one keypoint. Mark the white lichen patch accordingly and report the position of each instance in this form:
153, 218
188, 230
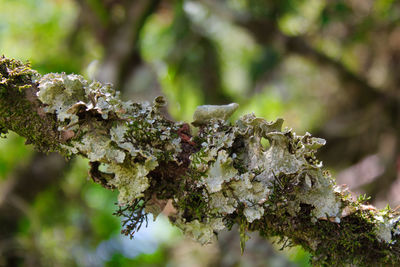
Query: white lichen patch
249, 124
61, 92
289, 155
106, 129
384, 233
395, 225
253, 213
242, 187
66, 95
288, 162
279, 158
217, 138
118, 132
252, 194
200, 160
384, 229
131, 181
325, 202
387, 225
222, 204
204, 114
173, 145
200, 232
217, 224
221, 171
97, 148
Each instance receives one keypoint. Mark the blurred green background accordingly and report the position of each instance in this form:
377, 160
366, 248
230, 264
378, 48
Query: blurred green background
327, 67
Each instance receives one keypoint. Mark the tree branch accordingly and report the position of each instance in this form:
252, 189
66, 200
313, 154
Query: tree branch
220, 177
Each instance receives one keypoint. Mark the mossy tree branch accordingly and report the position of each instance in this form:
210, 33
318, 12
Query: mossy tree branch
220, 177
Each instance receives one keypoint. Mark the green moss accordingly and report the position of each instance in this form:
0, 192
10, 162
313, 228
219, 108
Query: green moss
15, 75
19, 111
193, 206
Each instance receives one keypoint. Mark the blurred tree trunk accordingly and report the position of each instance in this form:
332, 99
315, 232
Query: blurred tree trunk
16, 196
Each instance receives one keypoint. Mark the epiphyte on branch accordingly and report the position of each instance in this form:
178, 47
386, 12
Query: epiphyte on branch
203, 114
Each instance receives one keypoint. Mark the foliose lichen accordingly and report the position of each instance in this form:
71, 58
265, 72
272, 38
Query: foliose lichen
220, 171
131, 180
203, 114
224, 175
229, 175
387, 225
241, 176
128, 138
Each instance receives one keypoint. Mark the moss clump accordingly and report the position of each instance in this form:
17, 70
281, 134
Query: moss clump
19, 109
15, 75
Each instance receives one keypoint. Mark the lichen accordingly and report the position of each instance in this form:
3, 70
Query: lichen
386, 225
130, 139
201, 232
383, 230
204, 114
222, 204
131, 181
221, 176
221, 171
97, 147
61, 92
241, 176
251, 194
321, 196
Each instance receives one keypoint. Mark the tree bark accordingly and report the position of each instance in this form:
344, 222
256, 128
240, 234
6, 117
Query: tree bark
220, 177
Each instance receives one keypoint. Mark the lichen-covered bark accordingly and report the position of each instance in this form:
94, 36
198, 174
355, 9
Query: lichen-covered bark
20, 110
220, 177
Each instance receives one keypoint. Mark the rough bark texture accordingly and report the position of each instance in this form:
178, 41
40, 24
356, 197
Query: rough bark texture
220, 177
20, 109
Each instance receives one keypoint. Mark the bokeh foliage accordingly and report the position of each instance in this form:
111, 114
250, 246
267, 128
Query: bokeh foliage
318, 64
